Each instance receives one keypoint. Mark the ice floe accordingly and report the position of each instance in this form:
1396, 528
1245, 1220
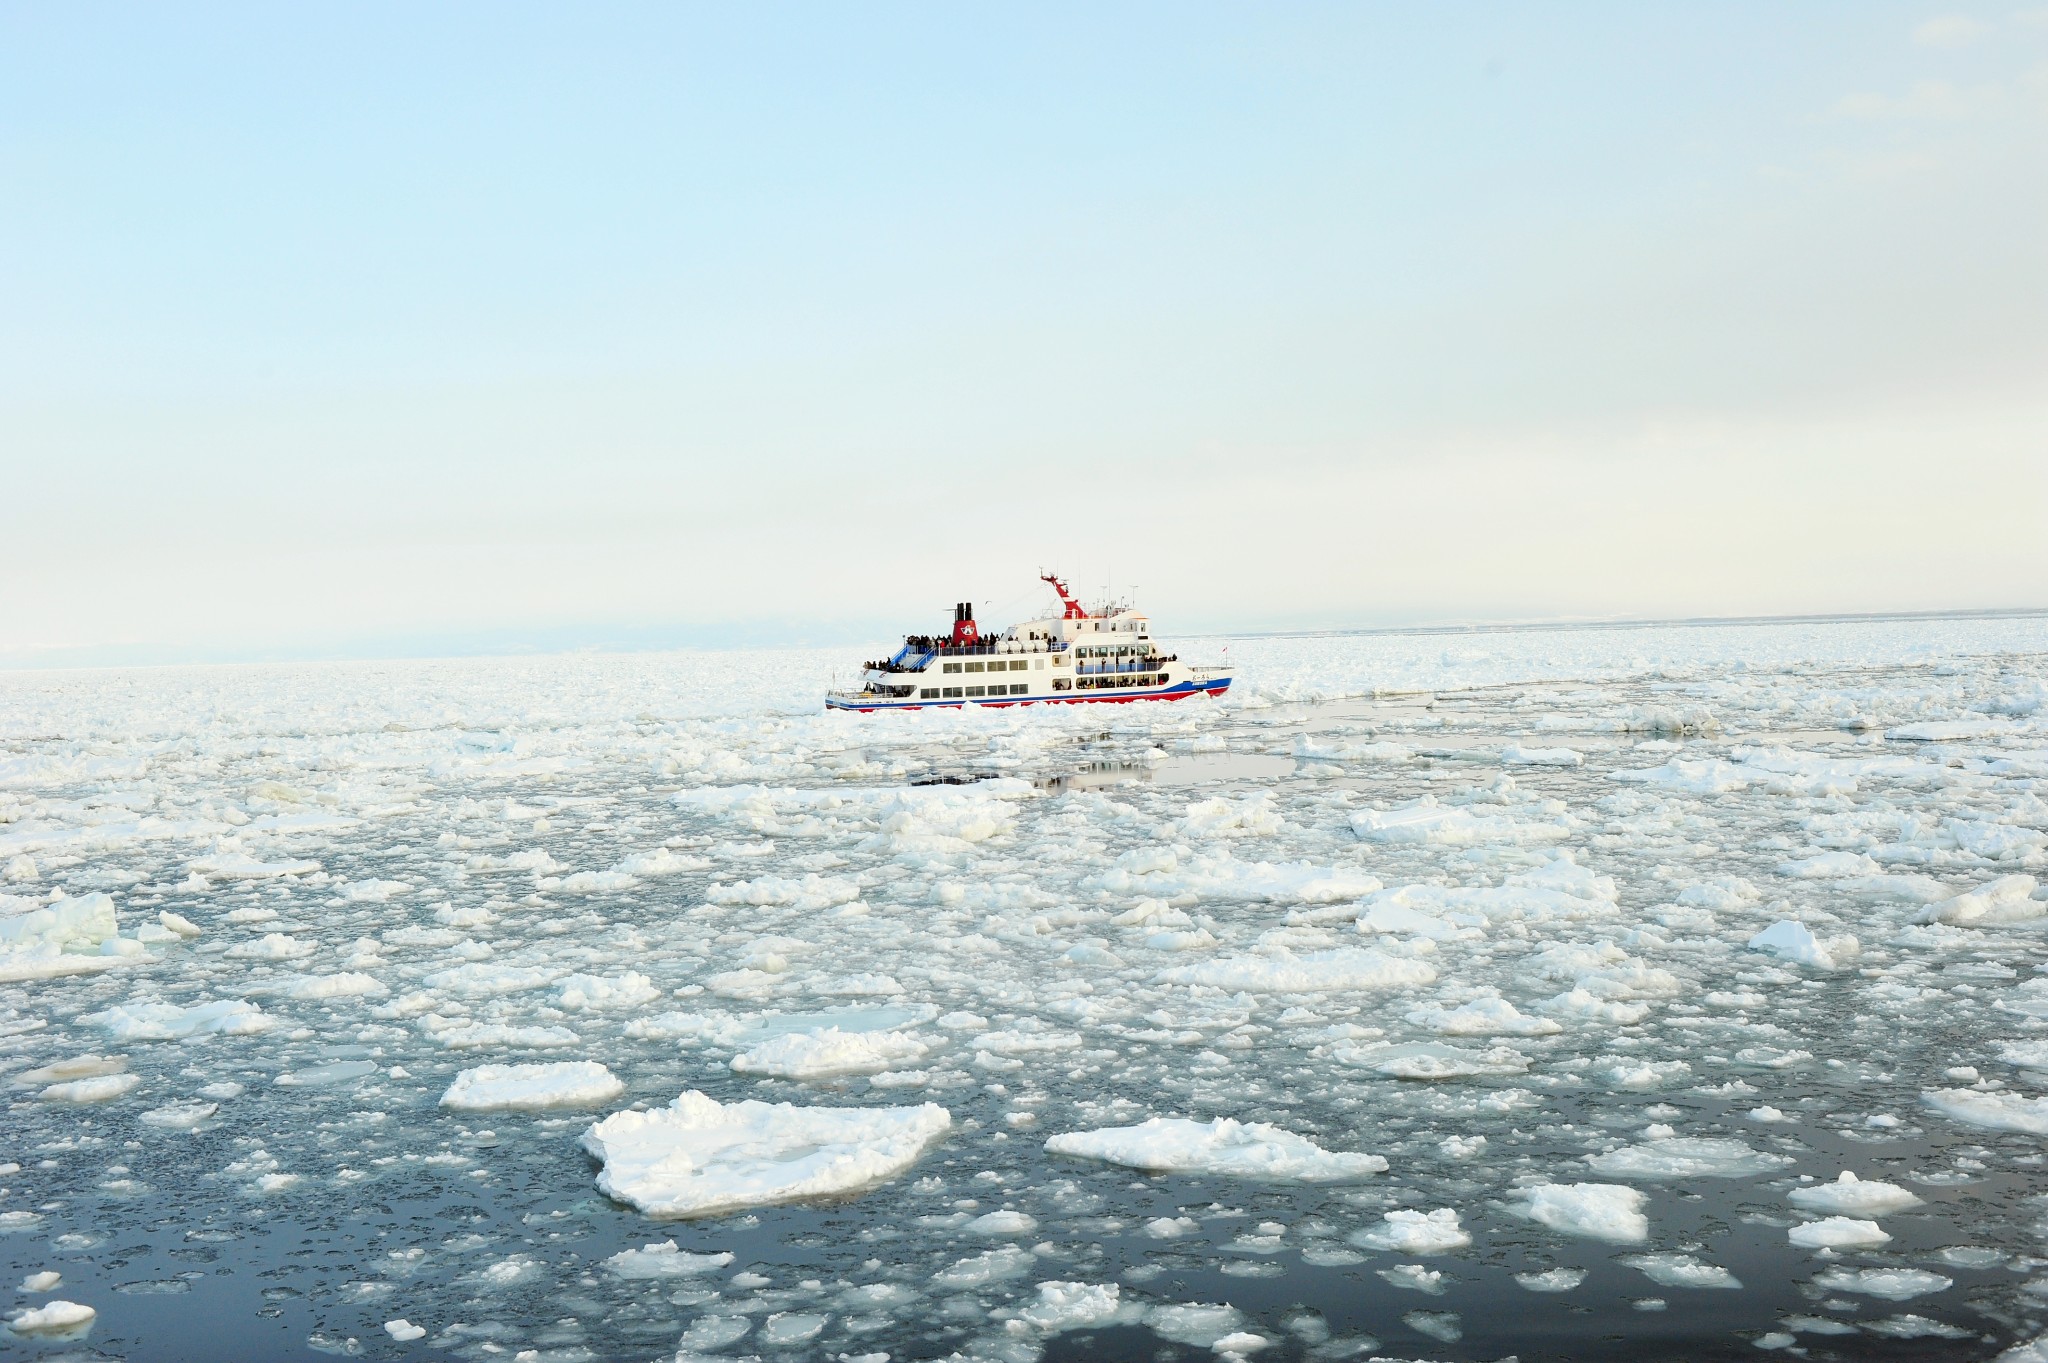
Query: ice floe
170, 1022
1406, 1231
699, 1157
1892, 1284
1427, 821
2008, 899
53, 1319
1993, 1111
1838, 1232
1686, 1157
828, 1052
1489, 1016
1220, 1147
1552, 1279
664, 1260
1428, 1060
1681, 1270
1598, 1211
1851, 1196
532, 1088
1795, 942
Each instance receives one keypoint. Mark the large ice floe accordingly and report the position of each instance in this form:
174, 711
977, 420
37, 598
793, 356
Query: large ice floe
813, 1055
699, 1157
530, 1088
1599, 1211
1564, 970
1235, 1149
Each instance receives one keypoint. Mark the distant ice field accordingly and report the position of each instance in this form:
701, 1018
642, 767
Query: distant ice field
1649, 993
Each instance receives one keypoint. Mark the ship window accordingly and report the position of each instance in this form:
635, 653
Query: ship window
949, 667
976, 667
1019, 688
1062, 684
977, 690
1038, 663
928, 693
1019, 664
952, 693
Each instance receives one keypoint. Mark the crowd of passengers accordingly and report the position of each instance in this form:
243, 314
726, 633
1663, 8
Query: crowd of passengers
919, 645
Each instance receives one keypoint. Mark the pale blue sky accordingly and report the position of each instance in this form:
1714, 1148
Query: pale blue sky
326, 327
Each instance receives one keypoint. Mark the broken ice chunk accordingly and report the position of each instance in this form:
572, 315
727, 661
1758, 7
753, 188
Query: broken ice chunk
1488, 1016
1687, 1157
1837, 1232
2008, 899
1993, 1111
180, 1116
1223, 1146
1429, 1060
1892, 1284
1681, 1270
664, 1260
1552, 1279
699, 1157
53, 1320
1411, 1232
169, 1022
828, 1052
1599, 1211
532, 1088
1795, 942
1852, 1196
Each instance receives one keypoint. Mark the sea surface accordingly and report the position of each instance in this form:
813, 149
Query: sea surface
1698, 912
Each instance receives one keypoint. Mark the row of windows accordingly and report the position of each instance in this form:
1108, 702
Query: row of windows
960, 693
994, 665
1024, 688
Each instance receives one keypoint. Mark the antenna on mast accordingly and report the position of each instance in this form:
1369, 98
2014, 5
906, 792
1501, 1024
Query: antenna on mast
1070, 608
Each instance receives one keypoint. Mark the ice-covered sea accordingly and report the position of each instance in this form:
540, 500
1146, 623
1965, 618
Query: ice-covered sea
1624, 994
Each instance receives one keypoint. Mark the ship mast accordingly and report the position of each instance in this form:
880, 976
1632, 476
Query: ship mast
1073, 610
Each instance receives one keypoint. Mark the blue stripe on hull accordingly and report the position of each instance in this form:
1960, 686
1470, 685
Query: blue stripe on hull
1177, 692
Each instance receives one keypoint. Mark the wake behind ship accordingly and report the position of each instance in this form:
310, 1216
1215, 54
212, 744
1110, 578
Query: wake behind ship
1076, 657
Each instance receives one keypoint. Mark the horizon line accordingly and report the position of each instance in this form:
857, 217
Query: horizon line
503, 647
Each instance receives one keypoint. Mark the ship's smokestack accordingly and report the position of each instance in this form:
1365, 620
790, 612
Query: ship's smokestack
963, 623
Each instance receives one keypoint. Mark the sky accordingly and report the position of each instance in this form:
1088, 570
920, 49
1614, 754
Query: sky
333, 330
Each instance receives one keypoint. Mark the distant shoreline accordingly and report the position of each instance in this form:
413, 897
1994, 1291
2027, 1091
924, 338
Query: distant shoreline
540, 644
1694, 621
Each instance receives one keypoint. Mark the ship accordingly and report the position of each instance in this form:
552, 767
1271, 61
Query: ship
1077, 657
